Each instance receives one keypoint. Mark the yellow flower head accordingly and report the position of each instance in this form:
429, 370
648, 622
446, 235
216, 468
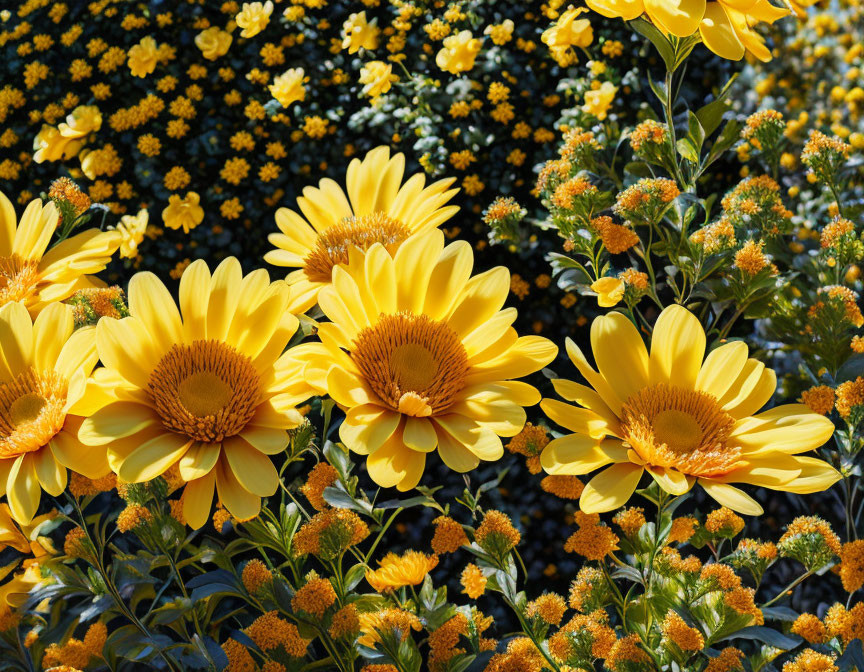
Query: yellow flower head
568, 31
143, 57
394, 571
132, 229
358, 33
288, 87
254, 17
205, 387
213, 42
65, 141
377, 78
185, 213
378, 208
680, 419
598, 101
458, 53
609, 291
43, 378
421, 357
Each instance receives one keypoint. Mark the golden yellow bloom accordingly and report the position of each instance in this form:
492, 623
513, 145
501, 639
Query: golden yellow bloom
609, 291
255, 574
270, 631
25, 538
321, 477
449, 536
565, 487
810, 628
727, 660
568, 31
213, 42
682, 529
549, 608
288, 87
143, 57
819, 399
396, 571
473, 581
254, 17
132, 229
358, 33
378, 208
811, 661
458, 52
65, 141
598, 101
314, 597
676, 631
377, 78
42, 382
427, 361
680, 419
630, 520
852, 565
593, 539
340, 528
750, 259
133, 516
185, 213
724, 522
626, 650
207, 392
389, 620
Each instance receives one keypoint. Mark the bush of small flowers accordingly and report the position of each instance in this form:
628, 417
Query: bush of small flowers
332, 442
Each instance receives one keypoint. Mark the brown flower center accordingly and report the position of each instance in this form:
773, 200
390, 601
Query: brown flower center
673, 427
17, 278
31, 412
332, 246
414, 364
206, 391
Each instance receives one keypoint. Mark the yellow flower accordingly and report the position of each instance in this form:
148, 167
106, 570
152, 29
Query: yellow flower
598, 101
458, 53
25, 538
396, 571
378, 208
358, 33
44, 375
473, 581
727, 27
680, 419
421, 357
609, 291
288, 87
143, 57
680, 18
65, 141
254, 17
132, 229
211, 393
568, 31
377, 77
183, 212
35, 277
213, 42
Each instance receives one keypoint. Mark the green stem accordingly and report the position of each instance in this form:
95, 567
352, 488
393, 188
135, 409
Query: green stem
792, 585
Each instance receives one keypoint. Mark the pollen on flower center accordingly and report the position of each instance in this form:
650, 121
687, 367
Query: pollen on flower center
31, 412
206, 390
17, 278
673, 427
414, 364
332, 246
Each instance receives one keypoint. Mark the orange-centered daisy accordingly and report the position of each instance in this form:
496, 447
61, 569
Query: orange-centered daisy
206, 387
378, 208
421, 356
33, 274
43, 373
680, 418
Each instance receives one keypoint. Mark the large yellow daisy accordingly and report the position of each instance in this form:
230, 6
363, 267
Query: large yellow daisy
43, 374
680, 419
378, 208
206, 387
36, 277
421, 357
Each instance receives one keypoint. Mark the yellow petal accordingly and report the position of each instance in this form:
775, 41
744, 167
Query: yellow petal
613, 9
677, 348
816, 475
51, 474
253, 470
483, 296
199, 460
51, 329
380, 279
153, 457
368, 438
16, 337
77, 355
611, 488
575, 455
679, 17
790, 428
448, 279
672, 481
90, 461
115, 421
579, 420
721, 368
267, 440
587, 398
394, 464
612, 400
198, 499
419, 434
151, 302
194, 295
414, 262
620, 354
454, 454
241, 503
22, 489
127, 346
224, 296
8, 225
734, 498
718, 34
759, 395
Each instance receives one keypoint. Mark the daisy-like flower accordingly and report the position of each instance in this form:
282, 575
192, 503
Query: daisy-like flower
43, 375
421, 357
378, 208
206, 387
680, 419
36, 277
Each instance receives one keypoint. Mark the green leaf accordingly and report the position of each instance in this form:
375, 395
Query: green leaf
658, 39
711, 114
767, 636
686, 149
